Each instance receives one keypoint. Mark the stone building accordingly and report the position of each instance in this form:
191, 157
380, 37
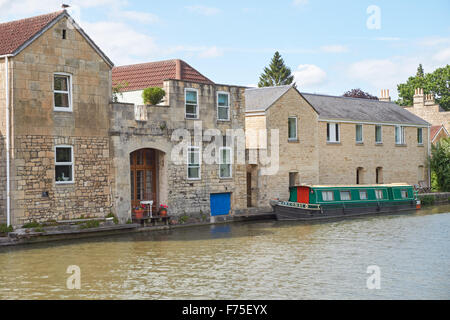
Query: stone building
55, 86
425, 106
331, 140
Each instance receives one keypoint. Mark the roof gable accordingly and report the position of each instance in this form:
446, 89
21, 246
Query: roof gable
152, 74
17, 35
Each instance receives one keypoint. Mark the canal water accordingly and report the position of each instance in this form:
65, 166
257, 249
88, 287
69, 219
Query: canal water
257, 260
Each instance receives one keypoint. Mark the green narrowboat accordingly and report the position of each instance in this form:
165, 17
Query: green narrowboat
313, 202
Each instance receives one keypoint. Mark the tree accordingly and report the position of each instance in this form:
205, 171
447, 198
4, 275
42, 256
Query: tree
440, 163
358, 93
436, 83
117, 90
277, 74
153, 95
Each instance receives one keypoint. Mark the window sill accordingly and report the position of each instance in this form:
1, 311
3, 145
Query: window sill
191, 118
359, 143
330, 142
420, 145
378, 143
293, 140
226, 178
400, 145
64, 183
56, 109
194, 179
223, 120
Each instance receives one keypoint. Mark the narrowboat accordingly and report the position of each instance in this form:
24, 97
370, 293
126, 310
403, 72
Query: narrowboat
314, 202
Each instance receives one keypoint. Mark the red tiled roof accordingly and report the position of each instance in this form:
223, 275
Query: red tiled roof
434, 130
152, 74
14, 34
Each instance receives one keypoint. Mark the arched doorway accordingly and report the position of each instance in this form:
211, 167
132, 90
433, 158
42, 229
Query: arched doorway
144, 176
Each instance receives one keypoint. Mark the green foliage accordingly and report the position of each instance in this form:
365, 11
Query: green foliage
39, 229
117, 90
434, 184
90, 224
5, 229
183, 219
427, 200
129, 221
153, 95
358, 93
440, 164
32, 224
277, 74
115, 219
436, 83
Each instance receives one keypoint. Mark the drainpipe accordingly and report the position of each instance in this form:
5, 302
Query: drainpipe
8, 198
429, 154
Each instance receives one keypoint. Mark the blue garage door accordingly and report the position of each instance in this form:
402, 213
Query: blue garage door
220, 203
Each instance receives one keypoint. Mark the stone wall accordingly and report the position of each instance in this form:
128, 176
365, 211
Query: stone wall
183, 196
339, 161
426, 108
2, 142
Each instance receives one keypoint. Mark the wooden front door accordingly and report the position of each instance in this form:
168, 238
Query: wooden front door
143, 171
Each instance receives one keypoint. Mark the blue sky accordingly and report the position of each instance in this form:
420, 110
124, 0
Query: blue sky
328, 44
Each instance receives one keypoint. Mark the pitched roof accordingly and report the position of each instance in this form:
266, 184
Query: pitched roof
17, 35
14, 34
152, 74
335, 107
434, 130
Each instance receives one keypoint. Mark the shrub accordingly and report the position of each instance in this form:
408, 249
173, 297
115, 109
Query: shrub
427, 200
32, 224
5, 229
153, 95
115, 219
440, 164
90, 224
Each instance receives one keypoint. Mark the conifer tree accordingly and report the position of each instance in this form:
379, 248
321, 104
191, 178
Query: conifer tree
277, 74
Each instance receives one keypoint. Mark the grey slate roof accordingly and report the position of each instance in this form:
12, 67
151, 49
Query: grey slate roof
335, 107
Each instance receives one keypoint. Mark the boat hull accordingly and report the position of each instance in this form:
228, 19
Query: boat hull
295, 213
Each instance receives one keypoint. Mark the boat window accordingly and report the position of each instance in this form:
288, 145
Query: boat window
404, 194
379, 194
327, 195
362, 194
345, 195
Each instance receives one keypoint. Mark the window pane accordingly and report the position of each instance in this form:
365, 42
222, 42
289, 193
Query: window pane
292, 128
132, 185
359, 133
379, 194
225, 170
225, 156
63, 173
223, 113
327, 195
363, 195
193, 172
140, 185
62, 100
191, 97
336, 138
63, 154
345, 195
377, 133
404, 194
419, 135
328, 132
191, 110
148, 185
223, 99
193, 156
61, 83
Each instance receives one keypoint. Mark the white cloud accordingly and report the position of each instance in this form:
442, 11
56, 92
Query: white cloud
142, 17
433, 41
300, 3
205, 11
334, 48
211, 52
388, 39
443, 56
309, 75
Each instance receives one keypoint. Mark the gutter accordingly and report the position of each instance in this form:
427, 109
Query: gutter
8, 178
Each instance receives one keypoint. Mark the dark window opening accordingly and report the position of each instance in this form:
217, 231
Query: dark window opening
64, 34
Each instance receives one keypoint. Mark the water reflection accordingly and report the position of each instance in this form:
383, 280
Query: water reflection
268, 259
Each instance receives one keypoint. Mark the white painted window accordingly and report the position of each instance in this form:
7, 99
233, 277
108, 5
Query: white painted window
359, 133
379, 194
419, 135
225, 162
292, 128
362, 194
191, 103
378, 134
327, 196
404, 194
345, 195
62, 92
223, 106
193, 162
399, 135
64, 164
332, 132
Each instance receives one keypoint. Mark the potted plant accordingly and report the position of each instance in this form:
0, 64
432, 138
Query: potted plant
139, 211
163, 210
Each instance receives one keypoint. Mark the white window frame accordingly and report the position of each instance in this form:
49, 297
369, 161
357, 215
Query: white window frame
349, 195
420, 143
230, 163
228, 107
72, 163
402, 193
362, 133
377, 191
381, 134
296, 129
334, 125
69, 92
363, 192
402, 135
188, 165
185, 104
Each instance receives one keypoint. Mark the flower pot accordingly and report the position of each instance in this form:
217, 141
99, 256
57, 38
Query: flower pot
139, 214
163, 212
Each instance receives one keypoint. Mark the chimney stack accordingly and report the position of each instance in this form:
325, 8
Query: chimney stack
385, 95
429, 100
419, 98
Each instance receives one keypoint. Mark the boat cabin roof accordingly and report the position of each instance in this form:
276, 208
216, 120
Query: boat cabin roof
398, 184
